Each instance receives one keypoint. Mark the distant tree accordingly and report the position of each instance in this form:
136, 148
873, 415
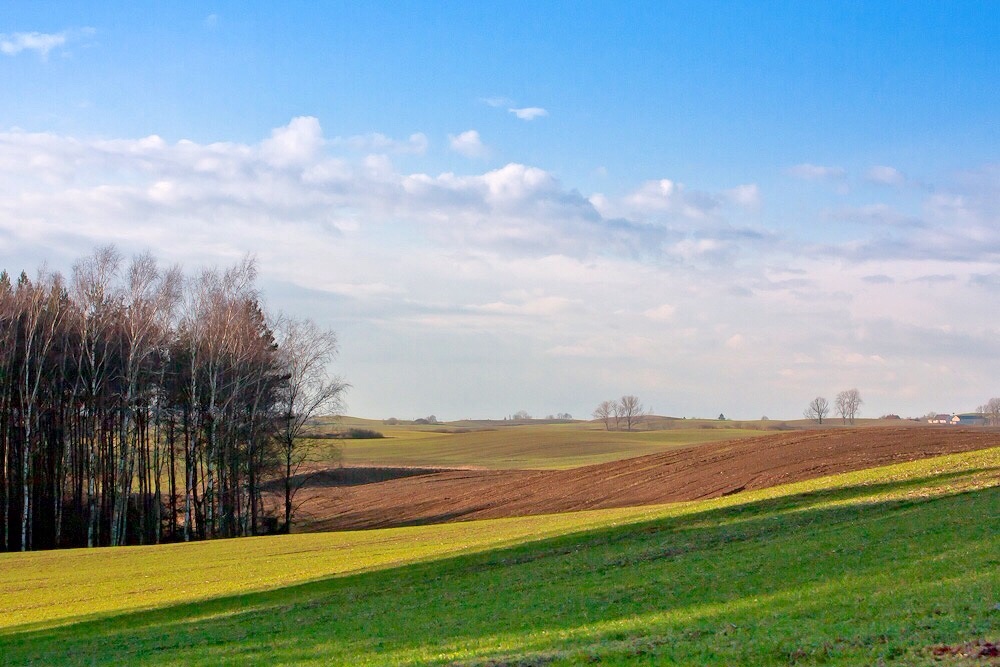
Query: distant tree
631, 410
848, 402
605, 412
616, 410
722, 417
564, 415
818, 408
522, 414
991, 411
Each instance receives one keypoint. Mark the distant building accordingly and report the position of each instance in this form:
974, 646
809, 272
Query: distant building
943, 419
971, 419
965, 419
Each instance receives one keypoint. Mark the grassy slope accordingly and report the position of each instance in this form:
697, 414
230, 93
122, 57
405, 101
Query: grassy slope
846, 570
547, 446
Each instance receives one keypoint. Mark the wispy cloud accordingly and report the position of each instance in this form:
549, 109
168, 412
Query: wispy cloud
884, 175
529, 113
39, 42
496, 101
747, 195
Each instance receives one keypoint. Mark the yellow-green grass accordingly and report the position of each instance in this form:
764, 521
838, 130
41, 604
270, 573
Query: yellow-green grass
850, 569
537, 447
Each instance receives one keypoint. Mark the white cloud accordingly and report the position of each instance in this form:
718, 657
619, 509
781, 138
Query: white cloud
492, 266
665, 196
294, 144
747, 196
468, 144
815, 172
885, 175
529, 113
211, 21
39, 42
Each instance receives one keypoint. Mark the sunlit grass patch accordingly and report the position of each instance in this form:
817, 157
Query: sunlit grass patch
851, 569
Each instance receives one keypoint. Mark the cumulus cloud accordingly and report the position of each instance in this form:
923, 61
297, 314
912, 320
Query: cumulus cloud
815, 172
294, 144
468, 144
665, 197
529, 113
291, 178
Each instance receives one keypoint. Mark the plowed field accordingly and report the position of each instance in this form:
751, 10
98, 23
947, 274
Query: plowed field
339, 499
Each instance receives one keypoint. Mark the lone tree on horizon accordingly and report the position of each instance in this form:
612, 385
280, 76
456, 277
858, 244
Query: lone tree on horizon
818, 408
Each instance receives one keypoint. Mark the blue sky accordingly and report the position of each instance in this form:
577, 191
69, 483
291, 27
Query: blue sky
717, 206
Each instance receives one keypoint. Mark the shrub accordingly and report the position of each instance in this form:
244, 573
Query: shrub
363, 434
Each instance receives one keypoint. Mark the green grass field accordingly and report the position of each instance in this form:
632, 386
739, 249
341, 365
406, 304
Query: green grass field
862, 568
525, 446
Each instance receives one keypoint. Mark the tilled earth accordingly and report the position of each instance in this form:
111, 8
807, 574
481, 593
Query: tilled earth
352, 498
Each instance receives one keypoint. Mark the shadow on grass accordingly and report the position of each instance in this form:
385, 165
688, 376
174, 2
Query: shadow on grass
550, 585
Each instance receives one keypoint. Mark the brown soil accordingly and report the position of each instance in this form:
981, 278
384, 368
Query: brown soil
420, 496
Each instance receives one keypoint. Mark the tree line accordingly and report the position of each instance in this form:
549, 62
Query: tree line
138, 405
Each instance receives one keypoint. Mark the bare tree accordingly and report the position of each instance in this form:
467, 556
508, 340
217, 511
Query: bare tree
818, 408
991, 411
848, 403
97, 299
305, 351
605, 412
631, 410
